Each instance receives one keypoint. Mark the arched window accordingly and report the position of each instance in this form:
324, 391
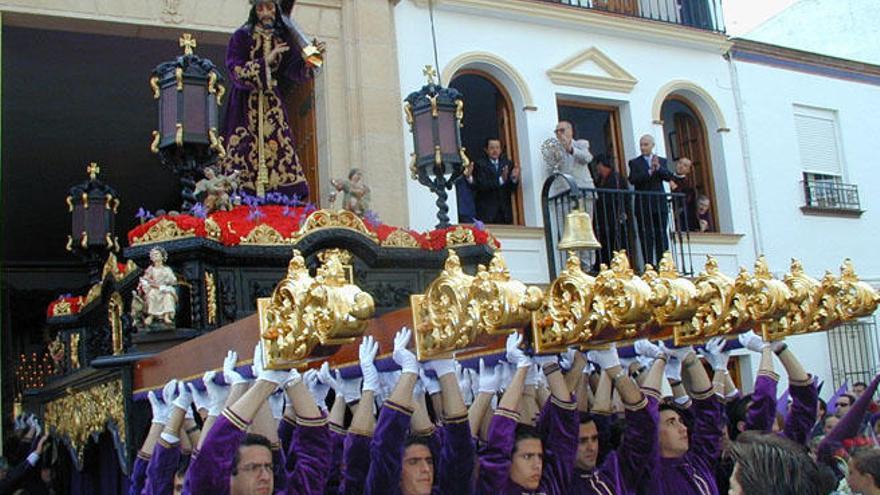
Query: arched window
685, 132
488, 113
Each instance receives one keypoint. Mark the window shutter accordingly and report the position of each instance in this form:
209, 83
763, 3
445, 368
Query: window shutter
817, 141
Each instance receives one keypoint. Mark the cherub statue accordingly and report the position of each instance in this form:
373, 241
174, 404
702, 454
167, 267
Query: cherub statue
355, 192
214, 189
156, 293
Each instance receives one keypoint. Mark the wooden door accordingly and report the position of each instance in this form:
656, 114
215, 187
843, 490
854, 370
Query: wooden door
507, 132
300, 102
690, 140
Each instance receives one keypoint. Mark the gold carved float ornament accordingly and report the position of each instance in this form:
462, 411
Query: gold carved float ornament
80, 416
673, 301
566, 316
457, 308
308, 316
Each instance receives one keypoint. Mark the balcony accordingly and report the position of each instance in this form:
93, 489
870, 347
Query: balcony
827, 195
699, 14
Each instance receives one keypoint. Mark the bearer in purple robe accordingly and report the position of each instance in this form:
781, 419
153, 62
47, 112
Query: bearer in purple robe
620, 472
685, 465
262, 58
235, 462
521, 460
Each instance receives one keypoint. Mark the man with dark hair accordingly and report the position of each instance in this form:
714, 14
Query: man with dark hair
774, 465
610, 213
864, 471
494, 180
260, 60
844, 402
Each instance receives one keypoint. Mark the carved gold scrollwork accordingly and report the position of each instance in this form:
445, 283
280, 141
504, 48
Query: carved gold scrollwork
769, 303
178, 76
622, 300
212, 230
333, 219
211, 298
69, 245
154, 144
163, 230
263, 235
85, 200
401, 239
305, 312
804, 301
84, 240
154, 85
443, 317
459, 112
81, 414
857, 299
114, 319
715, 298
407, 110
178, 134
460, 236
221, 90
566, 316
62, 308
69, 201
503, 303
216, 142
673, 301
434, 109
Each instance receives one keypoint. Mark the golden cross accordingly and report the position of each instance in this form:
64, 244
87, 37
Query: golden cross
430, 73
93, 170
187, 42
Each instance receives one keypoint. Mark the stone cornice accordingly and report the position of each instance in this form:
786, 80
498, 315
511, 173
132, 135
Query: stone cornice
790, 58
535, 11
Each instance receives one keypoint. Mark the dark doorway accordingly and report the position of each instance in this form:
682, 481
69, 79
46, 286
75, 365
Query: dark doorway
488, 113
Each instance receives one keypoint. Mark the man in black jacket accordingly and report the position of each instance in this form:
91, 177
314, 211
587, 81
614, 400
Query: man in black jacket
495, 178
646, 174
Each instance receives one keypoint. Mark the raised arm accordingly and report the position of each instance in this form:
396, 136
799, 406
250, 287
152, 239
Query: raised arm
848, 426
356, 449
804, 394
761, 412
559, 421
163, 465
489, 382
707, 434
458, 452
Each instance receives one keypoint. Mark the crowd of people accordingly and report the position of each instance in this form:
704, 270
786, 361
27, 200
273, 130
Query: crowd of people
575, 423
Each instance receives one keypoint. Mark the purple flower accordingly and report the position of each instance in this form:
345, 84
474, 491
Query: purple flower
65, 296
199, 211
479, 225
255, 214
309, 209
285, 211
143, 214
294, 200
372, 218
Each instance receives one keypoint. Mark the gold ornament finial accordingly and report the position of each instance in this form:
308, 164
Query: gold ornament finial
187, 42
93, 170
430, 73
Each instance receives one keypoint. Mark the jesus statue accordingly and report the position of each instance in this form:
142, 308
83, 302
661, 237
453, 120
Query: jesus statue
262, 57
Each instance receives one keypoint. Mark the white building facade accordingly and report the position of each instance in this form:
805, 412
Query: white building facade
759, 108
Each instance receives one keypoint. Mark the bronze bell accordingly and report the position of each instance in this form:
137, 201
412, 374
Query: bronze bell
578, 232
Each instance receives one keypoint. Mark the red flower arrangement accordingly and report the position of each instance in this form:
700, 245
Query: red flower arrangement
287, 220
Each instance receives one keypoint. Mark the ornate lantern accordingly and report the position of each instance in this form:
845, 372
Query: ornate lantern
189, 94
434, 115
93, 206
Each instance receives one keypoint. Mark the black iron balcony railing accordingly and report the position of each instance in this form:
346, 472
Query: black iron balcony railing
645, 224
831, 194
700, 14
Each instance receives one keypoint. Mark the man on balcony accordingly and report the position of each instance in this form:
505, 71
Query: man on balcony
646, 174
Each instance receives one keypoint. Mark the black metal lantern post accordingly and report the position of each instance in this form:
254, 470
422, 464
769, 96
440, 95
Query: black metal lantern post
189, 92
92, 206
434, 115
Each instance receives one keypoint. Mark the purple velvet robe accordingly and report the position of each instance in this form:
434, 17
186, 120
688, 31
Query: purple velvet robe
620, 472
761, 412
355, 464
804, 409
138, 475
559, 421
162, 467
849, 426
247, 68
209, 472
694, 472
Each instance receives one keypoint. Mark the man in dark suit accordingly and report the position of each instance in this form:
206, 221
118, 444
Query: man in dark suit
494, 180
646, 174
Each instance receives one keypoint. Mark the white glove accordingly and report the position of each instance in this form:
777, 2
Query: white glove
545, 359
200, 398
515, 355
278, 377
418, 389
327, 379
673, 369
752, 342
442, 366
20, 422
432, 385
506, 371
403, 356
566, 360
276, 404
162, 409
367, 354
217, 394
490, 378
318, 390
645, 361
34, 423
230, 376
607, 358
350, 388
387, 382
533, 377
714, 353
678, 352
644, 347
184, 398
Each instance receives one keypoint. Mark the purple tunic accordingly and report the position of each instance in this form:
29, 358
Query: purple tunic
210, 470
694, 472
337, 439
761, 412
559, 421
620, 472
138, 474
386, 449
247, 68
162, 468
850, 425
355, 463
804, 408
